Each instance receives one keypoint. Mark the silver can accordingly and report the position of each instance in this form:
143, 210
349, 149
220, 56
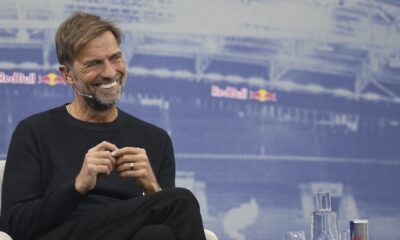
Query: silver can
359, 229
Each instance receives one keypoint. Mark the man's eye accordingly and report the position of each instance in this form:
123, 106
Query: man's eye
92, 64
116, 57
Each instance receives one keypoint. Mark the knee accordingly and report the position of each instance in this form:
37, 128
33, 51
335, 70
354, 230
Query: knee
155, 232
186, 197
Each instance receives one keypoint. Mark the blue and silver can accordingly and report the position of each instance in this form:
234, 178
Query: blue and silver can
359, 229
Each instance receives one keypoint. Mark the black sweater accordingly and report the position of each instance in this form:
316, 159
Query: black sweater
46, 154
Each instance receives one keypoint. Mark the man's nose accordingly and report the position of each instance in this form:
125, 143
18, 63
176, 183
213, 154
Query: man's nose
108, 70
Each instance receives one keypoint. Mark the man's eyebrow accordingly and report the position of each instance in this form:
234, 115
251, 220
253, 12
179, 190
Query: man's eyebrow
97, 60
117, 54
91, 61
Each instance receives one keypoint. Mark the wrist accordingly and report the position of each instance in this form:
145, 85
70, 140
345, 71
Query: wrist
79, 187
152, 189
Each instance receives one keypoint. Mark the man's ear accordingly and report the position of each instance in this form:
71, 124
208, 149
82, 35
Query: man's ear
65, 74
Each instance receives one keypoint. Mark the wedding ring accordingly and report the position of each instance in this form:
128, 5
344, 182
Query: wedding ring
132, 166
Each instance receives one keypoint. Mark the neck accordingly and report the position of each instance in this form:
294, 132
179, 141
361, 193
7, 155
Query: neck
85, 113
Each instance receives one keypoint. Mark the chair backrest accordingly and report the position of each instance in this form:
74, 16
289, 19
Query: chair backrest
3, 235
2, 164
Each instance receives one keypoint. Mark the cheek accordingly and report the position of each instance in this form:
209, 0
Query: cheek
86, 76
121, 67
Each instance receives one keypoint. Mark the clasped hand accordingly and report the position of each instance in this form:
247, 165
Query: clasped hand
105, 157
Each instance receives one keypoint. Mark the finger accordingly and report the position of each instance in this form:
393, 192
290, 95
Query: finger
107, 155
96, 161
100, 154
127, 166
127, 150
103, 146
131, 158
95, 170
140, 173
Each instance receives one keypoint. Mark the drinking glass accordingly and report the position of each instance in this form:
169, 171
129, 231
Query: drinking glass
345, 235
294, 235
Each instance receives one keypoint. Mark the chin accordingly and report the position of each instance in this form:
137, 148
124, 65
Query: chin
101, 104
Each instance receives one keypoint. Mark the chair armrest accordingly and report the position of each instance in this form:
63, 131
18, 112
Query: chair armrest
209, 235
4, 236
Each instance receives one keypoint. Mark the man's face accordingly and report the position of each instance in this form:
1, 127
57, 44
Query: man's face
100, 72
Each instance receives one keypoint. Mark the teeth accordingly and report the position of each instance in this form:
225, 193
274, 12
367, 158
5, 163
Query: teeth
108, 85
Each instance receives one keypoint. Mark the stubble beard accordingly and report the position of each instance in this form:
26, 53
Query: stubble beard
97, 101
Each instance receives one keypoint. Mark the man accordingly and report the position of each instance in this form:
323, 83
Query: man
88, 170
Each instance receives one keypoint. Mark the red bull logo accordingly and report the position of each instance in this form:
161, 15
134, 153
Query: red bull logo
261, 95
51, 79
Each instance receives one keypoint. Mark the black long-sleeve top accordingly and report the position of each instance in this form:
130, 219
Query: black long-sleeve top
46, 154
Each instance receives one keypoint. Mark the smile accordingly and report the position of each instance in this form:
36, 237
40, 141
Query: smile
107, 85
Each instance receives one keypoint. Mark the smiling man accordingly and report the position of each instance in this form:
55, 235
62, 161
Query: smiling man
97, 74
87, 169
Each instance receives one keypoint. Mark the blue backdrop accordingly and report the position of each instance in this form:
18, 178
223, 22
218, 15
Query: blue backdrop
267, 101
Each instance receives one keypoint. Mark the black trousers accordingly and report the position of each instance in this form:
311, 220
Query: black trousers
171, 214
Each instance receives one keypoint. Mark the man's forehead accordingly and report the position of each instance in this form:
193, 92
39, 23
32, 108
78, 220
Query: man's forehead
101, 46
